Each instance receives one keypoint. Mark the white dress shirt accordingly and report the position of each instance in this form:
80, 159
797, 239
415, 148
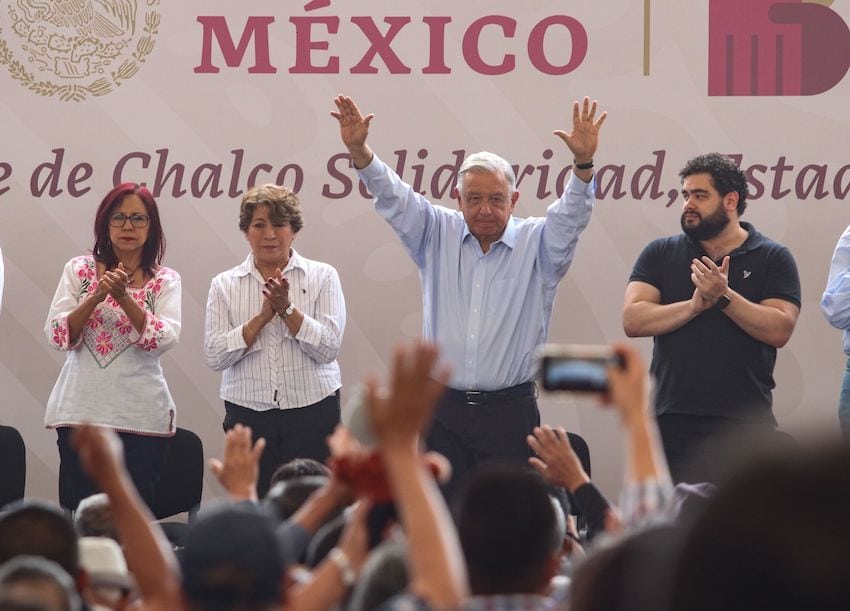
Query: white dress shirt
278, 370
487, 311
835, 302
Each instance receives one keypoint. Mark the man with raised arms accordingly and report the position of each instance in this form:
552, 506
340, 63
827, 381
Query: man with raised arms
488, 281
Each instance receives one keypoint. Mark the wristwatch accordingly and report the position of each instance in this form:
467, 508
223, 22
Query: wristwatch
288, 311
342, 562
722, 302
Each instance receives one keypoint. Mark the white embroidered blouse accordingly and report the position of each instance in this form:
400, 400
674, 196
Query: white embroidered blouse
112, 375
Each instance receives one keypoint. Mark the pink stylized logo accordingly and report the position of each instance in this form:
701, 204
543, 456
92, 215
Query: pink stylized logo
775, 47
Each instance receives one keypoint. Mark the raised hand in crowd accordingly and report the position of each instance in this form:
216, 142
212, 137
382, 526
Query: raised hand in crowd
239, 468
629, 388
555, 459
148, 552
628, 385
101, 456
399, 414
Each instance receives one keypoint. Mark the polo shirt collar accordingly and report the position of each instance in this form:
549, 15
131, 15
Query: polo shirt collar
753, 241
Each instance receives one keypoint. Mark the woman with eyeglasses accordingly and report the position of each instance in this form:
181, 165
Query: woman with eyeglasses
114, 313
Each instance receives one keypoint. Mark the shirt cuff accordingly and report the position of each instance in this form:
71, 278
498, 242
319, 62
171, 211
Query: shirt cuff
235, 340
310, 331
579, 187
373, 170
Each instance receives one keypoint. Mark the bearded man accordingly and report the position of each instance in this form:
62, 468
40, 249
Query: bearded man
718, 300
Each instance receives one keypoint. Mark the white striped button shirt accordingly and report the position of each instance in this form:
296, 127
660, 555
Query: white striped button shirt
278, 370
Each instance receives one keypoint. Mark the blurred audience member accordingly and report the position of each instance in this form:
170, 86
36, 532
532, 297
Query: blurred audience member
37, 528
775, 536
109, 584
93, 517
299, 467
38, 584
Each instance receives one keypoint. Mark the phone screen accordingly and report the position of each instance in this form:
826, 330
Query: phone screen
574, 373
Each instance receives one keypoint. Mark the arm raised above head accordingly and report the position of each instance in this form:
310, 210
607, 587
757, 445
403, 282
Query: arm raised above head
148, 552
437, 569
583, 140
353, 129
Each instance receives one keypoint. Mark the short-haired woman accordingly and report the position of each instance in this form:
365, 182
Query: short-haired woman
274, 326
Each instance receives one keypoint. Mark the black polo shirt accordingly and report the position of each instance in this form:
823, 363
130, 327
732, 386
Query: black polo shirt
710, 366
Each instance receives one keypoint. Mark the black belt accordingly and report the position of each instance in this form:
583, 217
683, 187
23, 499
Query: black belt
490, 396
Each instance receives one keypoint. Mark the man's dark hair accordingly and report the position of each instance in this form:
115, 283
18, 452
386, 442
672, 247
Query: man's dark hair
232, 561
629, 574
725, 174
287, 496
507, 529
775, 536
36, 528
298, 467
23, 576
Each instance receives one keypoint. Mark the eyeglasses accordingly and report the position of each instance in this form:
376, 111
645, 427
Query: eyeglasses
136, 220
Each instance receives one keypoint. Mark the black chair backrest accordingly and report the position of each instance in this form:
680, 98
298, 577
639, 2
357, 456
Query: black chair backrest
13, 462
181, 483
582, 451
579, 446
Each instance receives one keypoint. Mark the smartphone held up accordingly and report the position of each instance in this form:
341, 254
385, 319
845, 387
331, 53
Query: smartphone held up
576, 367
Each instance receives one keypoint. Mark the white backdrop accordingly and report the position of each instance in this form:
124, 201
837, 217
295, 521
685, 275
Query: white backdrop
135, 91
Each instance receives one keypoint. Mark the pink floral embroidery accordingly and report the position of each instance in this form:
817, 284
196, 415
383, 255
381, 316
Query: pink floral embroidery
149, 344
104, 343
60, 334
124, 325
86, 272
94, 321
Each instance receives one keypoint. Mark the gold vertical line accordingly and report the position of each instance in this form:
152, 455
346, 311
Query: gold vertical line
646, 37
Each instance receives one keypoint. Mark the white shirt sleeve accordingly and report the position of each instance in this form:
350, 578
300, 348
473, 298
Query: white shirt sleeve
320, 335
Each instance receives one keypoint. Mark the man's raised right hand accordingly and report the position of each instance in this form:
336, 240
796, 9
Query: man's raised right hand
353, 129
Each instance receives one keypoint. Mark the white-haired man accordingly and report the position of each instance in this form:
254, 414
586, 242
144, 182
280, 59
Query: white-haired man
488, 281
